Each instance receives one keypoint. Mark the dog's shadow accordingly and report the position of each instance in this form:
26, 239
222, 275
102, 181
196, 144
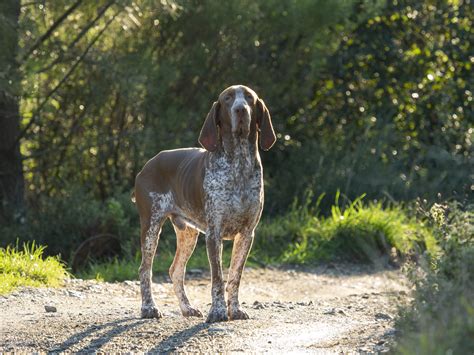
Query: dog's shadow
112, 329
104, 333
174, 341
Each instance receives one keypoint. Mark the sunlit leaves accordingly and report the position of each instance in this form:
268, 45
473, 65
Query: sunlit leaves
407, 66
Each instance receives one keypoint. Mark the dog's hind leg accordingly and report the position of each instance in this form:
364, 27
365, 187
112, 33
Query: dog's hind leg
152, 217
186, 238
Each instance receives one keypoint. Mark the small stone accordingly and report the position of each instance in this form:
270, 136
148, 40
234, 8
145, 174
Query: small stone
258, 305
50, 309
391, 333
334, 311
330, 311
382, 316
304, 303
76, 294
217, 330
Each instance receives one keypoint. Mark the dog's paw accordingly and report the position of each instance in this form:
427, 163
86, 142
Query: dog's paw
237, 313
151, 312
217, 314
191, 312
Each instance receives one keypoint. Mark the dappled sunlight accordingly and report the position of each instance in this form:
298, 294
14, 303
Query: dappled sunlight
365, 241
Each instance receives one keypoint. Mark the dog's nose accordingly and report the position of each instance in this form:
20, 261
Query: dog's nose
239, 110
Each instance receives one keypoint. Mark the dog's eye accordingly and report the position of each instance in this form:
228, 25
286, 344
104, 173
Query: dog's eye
249, 97
228, 98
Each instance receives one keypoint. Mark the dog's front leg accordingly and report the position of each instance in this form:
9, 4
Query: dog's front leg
218, 311
240, 251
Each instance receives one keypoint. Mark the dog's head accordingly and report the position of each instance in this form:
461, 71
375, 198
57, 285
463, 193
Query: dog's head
237, 113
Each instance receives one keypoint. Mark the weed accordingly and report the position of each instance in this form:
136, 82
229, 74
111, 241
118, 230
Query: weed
356, 232
27, 267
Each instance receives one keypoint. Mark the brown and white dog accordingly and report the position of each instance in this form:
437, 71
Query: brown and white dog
217, 190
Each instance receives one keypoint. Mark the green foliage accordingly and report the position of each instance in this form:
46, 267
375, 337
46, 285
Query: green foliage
63, 222
392, 113
441, 318
115, 270
367, 232
27, 267
126, 268
367, 97
357, 232
149, 79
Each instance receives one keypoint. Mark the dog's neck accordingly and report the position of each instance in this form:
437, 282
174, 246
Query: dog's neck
241, 154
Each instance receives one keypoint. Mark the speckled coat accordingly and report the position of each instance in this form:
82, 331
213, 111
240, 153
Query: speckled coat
217, 190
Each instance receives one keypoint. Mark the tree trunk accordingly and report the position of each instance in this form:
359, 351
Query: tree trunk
11, 172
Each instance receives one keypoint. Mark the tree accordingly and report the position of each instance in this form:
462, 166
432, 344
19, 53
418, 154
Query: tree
11, 173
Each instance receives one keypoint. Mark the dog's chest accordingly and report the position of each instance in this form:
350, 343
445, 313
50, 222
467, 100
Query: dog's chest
234, 192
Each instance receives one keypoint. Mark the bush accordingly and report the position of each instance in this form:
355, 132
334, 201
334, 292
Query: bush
27, 267
441, 318
64, 221
390, 111
357, 232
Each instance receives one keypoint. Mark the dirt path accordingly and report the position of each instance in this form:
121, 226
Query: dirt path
335, 308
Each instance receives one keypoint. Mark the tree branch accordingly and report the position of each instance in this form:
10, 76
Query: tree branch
78, 37
63, 80
48, 33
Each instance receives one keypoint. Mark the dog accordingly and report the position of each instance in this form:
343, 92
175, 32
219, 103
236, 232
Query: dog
217, 190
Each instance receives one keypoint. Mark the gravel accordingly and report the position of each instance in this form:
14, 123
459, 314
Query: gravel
341, 308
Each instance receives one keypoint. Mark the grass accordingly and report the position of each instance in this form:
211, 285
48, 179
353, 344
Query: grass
440, 319
127, 268
358, 232
27, 267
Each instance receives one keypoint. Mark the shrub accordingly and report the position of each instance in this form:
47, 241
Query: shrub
27, 267
64, 221
441, 318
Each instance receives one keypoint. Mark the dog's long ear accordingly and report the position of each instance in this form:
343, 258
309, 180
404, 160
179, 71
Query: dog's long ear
264, 122
208, 137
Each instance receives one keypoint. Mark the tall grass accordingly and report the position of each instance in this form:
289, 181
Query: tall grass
27, 267
357, 232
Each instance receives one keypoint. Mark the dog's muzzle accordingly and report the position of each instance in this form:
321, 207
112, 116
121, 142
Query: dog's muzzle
240, 119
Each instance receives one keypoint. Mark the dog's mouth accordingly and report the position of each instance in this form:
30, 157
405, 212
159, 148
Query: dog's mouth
241, 131
242, 128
